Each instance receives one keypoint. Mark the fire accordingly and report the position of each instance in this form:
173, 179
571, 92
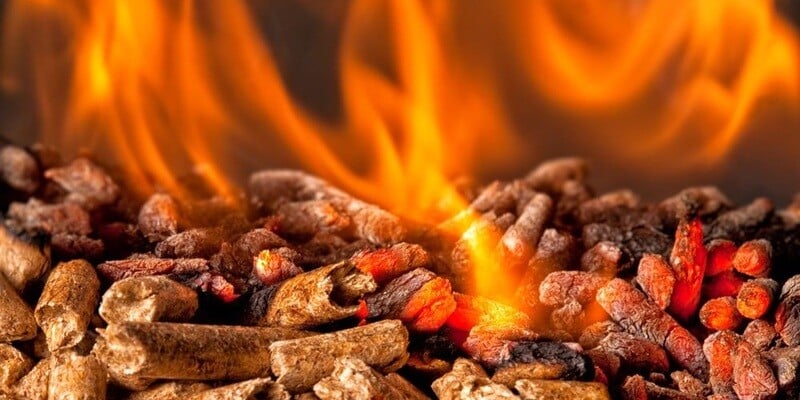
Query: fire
429, 90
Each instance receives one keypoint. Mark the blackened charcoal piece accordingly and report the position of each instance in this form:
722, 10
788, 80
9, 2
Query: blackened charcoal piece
644, 319
636, 354
67, 303
468, 380
550, 175
148, 299
387, 263
603, 207
318, 297
419, 298
549, 389
75, 376
144, 266
19, 169
193, 243
700, 201
495, 351
36, 216
325, 249
787, 315
741, 223
213, 283
300, 363
68, 246
307, 218
272, 188
353, 379
24, 258
159, 217
165, 350
86, 183
634, 242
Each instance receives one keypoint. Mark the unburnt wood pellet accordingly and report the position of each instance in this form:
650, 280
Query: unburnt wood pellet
13, 365
148, 299
16, 318
23, 258
75, 376
67, 303
300, 363
353, 379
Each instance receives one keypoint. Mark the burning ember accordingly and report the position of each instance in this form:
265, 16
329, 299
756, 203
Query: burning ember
139, 265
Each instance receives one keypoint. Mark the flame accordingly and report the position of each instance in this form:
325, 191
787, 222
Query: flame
430, 90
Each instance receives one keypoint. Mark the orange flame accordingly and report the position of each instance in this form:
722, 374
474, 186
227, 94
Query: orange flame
428, 88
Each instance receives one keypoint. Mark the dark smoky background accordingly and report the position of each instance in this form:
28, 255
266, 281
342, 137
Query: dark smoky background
304, 37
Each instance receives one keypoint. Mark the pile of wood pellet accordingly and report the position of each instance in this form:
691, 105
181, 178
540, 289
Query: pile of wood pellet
298, 290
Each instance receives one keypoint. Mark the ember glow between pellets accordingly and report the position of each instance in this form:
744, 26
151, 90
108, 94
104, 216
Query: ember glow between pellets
165, 85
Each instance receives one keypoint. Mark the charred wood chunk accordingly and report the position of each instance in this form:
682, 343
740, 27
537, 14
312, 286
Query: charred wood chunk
761, 334
637, 388
388, 263
604, 258
642, 318
176, 390
741, 223
145, 266
86, 184
688, 384
24, 258
497, 352
237, 258
701, 201
551, 175
275, 266
14, 364
720, 256
501, 198
193, 243
634, 241
325, 249
688, 259
594, 333
549, 389
300, 363
756, 297
272, 188
318, 297
354, 379
656, 279
418, 298
603, 208
33, 386
19, 169
787, 315
166, 350
159, 217
786, 370
148, 299
472, 311
75, 376
67, 303
69, 246
719, 349
468, 380
753, 258
214, 284
482, 233
554, 252
519, 242
572, 194
636, 354
752, 375
36, 216
562, 287
245, 390
307, 218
